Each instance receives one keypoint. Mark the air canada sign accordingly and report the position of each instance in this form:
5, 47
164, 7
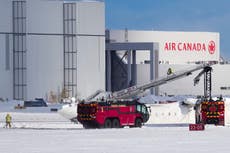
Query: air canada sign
209, 47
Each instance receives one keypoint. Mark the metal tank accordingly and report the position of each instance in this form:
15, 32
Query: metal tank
49, 46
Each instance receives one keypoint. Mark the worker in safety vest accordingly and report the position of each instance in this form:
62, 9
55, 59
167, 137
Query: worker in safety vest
8, 120
170, 71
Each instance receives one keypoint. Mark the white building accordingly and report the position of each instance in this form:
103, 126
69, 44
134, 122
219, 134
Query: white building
174, 47
48, 46
180, 51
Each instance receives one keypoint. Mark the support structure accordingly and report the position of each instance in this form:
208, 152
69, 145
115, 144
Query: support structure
134, 68
129, 70
70, 49
19, 50
208, 83
131, 49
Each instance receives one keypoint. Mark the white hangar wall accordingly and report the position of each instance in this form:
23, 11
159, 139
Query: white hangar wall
44, 45
6, 77
91, 48
89, 82
44, 16
179, 59
45, 66
45, 52
6, 73
175, 47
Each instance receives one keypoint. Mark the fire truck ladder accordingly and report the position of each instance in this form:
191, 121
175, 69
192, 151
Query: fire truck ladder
135, 90
207, 81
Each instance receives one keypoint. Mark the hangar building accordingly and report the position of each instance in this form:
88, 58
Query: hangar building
176, 50
54, 48
50, 47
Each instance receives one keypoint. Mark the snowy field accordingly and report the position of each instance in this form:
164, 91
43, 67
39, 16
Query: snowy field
135, 140
48, 132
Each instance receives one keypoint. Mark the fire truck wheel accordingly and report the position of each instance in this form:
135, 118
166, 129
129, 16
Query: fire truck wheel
138, 122
85, 126
116, 123
88, 126
108, 123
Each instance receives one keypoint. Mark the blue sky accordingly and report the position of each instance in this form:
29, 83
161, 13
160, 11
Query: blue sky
172, 15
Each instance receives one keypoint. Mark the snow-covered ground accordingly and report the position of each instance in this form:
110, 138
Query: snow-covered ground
34, 117
48, 132
136, 140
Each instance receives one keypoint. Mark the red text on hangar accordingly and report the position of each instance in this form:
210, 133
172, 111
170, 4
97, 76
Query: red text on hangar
172, 46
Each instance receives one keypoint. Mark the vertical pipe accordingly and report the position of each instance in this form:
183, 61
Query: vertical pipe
75, 48
205, 86
108, 70
7, 49
134, 68
69, 23
152, 66
17, 53
72, 68
210, 81
64, 43
156, 62
25, 52
22, 50
68, 41
129, 80
13, 20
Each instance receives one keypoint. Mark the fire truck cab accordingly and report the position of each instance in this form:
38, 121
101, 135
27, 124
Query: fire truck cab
112, 114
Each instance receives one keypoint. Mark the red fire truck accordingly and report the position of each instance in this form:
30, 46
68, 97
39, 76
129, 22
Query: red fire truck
112, 114
209, 111
117, 111
212, 112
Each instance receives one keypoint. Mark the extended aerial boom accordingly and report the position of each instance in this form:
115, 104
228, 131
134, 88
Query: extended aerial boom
134, 90
119, 109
